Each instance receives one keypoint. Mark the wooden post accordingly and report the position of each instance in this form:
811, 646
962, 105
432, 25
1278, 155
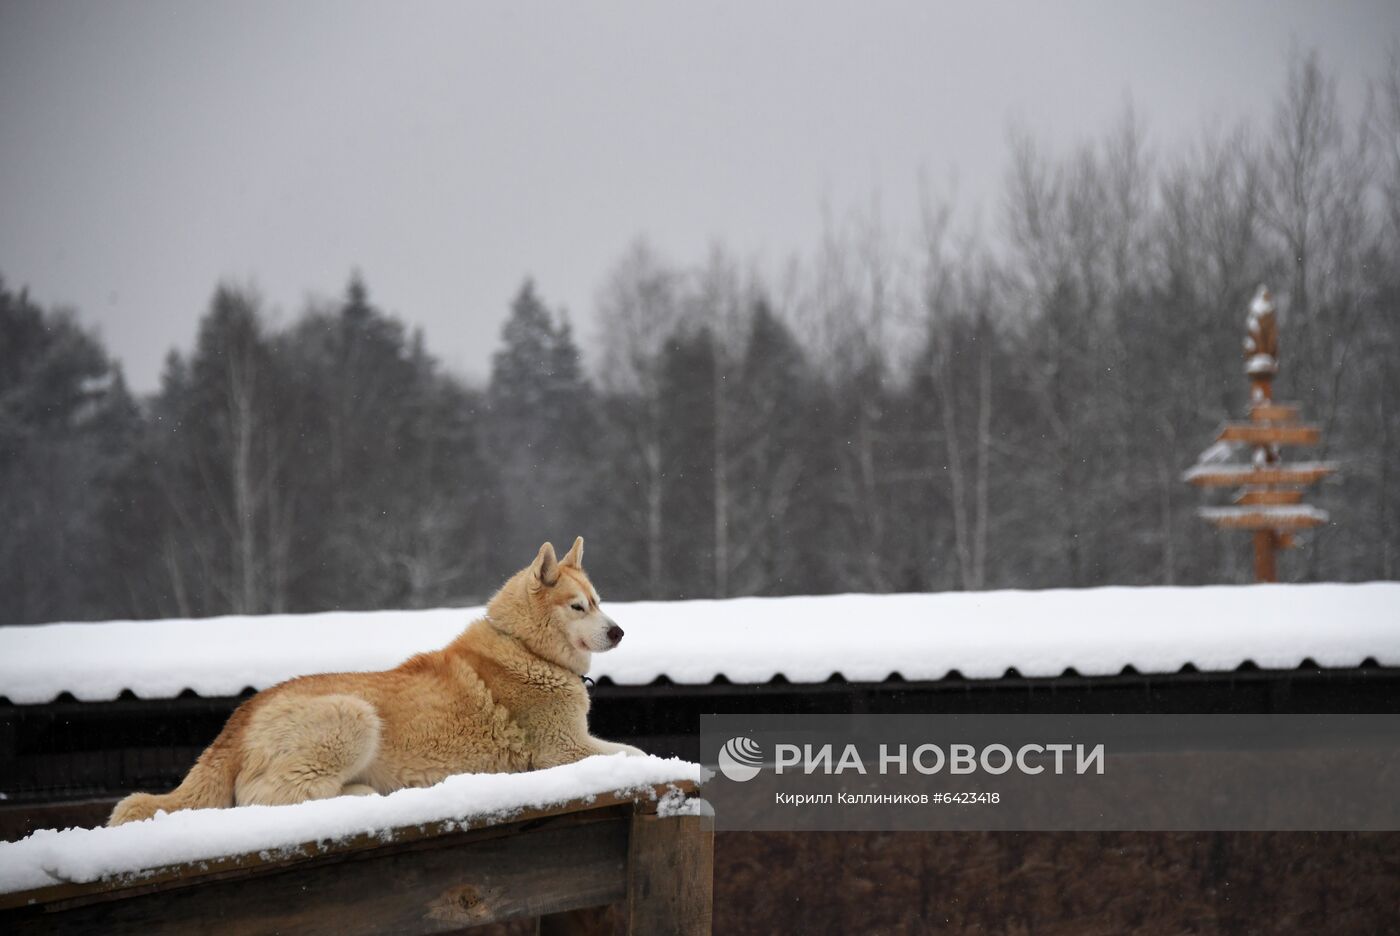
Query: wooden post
670, 875
1261, 348
1270, 504
1265, 560
1260, 366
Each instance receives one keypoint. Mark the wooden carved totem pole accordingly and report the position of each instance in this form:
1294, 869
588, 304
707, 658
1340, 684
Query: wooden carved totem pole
1270, 502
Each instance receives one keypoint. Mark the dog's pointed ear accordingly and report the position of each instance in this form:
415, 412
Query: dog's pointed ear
574, 557
546, 567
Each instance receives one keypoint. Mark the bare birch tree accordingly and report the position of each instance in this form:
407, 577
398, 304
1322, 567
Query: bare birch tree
638, 309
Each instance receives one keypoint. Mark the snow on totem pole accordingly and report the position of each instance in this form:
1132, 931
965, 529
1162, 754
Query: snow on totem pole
1270, 502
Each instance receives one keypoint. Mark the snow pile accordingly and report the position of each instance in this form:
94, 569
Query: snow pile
1246, 472
82, 855
1261, 364
674, 803
1272, 511
1262, 302
864, 638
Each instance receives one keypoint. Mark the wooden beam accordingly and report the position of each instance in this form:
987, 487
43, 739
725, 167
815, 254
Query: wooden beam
1302, 473
1266, 495
183, 875
429, 886
670, 875
1257, 434
1275, 412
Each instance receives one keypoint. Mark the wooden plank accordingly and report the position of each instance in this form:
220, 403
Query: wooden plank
670, 875
1254, 434
183, 875
1264, 495
1234, 475
1275, 412
430, 886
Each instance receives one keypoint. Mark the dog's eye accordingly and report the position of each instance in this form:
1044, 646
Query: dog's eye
577, 607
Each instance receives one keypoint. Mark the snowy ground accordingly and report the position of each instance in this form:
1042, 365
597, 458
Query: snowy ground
806, 639
82, 855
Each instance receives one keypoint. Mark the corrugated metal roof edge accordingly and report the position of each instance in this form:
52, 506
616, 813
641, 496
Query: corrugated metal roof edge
835, 679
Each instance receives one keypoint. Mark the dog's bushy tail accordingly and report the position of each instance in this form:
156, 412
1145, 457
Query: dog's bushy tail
209, 784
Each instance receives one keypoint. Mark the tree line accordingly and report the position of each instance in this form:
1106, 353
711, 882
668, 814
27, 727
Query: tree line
954, 409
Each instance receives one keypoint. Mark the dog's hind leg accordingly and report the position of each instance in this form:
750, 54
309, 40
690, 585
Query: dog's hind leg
300, 748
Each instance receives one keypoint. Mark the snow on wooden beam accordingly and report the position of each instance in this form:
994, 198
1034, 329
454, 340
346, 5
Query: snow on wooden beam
1255, 434
202, 838
1265, 517
1301, 473
441, 876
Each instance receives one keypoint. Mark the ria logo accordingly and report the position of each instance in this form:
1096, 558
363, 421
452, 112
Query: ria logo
740, 759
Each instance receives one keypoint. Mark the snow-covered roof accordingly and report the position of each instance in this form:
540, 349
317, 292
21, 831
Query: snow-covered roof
864, 638
467, 800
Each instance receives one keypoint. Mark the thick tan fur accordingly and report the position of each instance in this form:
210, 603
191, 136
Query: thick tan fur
506, 695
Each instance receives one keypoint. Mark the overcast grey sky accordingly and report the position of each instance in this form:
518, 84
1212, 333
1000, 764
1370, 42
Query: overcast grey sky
148, 149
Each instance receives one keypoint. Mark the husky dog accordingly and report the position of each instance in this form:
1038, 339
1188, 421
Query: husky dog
507, 695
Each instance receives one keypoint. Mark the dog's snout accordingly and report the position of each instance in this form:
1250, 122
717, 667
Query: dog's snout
615, 634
